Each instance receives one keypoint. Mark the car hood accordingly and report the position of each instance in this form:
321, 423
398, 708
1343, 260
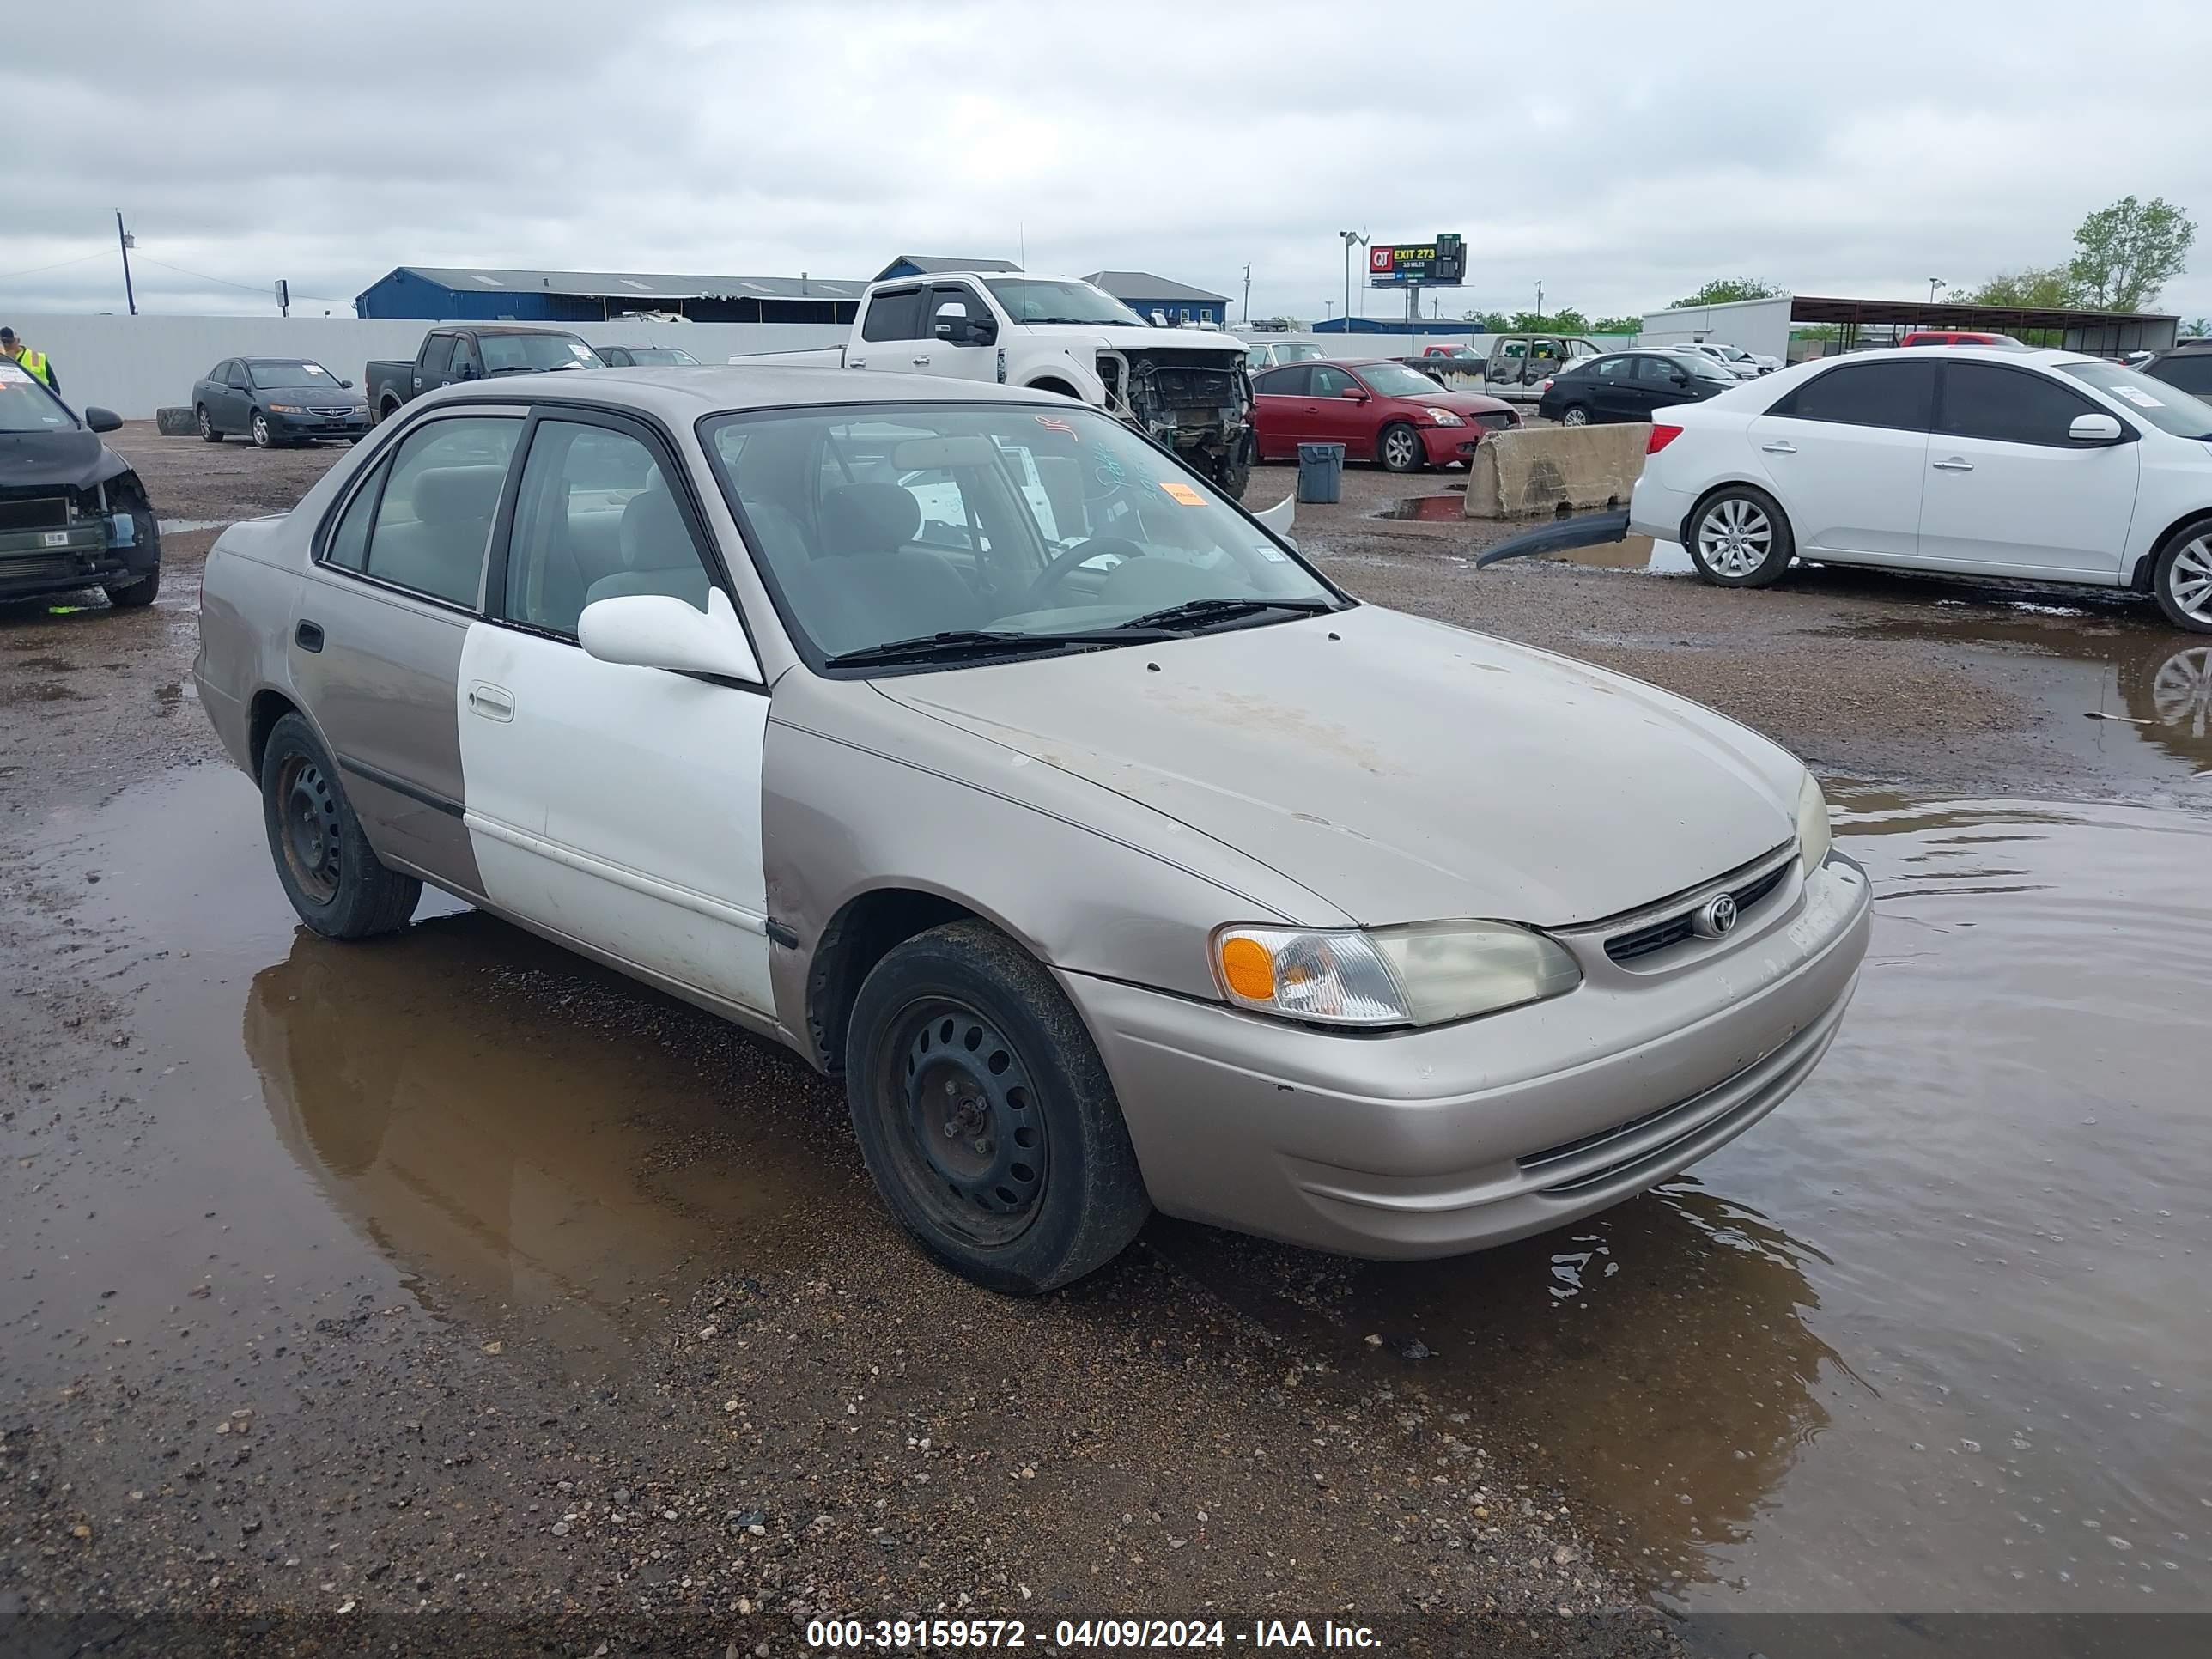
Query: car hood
1399, 769
45, 460
329, 392
1463, 402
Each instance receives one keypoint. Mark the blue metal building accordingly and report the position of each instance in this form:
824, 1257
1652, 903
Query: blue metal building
1152, 297
929, 264
450, 293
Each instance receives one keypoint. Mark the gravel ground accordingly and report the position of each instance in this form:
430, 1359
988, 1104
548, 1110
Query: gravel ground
250, 1425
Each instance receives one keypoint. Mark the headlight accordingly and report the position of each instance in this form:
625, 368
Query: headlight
1425, 974
1813, 836
284, 409
1443, 417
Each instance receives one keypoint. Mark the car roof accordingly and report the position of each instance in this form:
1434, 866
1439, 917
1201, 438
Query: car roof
682, 395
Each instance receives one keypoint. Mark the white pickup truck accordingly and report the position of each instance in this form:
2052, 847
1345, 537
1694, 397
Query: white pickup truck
1185, 389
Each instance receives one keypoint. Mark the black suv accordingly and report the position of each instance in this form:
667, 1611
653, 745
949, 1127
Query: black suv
2187, 367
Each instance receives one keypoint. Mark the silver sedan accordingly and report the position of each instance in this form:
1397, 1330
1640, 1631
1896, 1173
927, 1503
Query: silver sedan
967, 744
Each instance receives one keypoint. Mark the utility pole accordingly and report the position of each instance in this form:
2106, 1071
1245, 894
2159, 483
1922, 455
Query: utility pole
1540, 305
1248, 295
1351, 238
127, 242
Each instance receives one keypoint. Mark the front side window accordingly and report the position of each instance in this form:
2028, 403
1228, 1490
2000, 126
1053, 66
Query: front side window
894, 316
595, 519
2009, 405
1329, 381
1898, 395
438, 355
434, 514
1001, 526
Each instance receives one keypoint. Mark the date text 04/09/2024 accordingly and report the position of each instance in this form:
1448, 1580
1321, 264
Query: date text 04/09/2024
922, 1635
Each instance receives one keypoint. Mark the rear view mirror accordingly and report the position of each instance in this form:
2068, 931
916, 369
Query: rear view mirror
103, 420
653, 630
2086, 429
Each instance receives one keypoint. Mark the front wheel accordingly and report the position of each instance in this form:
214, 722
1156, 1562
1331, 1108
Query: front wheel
1739, 538
263, 437
1576, 415
985, 1113
324, 861
208, 433
1399, 448
2183, 581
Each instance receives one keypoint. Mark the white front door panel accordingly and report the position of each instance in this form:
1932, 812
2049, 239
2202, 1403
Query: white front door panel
619, 806
2029, 509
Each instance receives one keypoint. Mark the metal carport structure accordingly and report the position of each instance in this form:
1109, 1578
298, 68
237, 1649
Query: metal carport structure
2101, 333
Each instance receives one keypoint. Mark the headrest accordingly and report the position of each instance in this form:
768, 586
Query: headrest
868, 518
653, 533
457, 495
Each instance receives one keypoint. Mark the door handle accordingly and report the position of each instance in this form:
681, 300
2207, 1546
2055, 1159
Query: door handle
493, 703
1955, 464
856, 362
1783, 446
309, 634
920, 363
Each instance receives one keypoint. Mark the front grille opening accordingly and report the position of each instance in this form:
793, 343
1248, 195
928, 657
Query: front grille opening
35, 513
1674, 930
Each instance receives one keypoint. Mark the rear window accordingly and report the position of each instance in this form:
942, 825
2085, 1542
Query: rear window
1898, 395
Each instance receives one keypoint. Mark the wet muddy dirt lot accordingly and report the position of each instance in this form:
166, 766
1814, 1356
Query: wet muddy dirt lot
451, 1273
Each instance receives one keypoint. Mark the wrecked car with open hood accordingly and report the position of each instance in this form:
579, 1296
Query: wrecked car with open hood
73, 514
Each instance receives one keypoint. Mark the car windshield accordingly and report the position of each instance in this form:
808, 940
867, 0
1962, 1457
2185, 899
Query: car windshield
1029, 301
26, 406
290, 372
1396, 381
2162, 403
1297, 354
651, 355
933, 533
1701, 366
508, 352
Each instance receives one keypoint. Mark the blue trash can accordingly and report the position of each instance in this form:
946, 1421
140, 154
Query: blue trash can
1320, 472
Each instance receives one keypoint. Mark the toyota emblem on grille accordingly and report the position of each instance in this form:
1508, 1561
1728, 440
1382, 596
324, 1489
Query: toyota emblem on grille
1717, 919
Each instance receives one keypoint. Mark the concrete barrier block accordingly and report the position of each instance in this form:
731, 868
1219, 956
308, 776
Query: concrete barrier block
1541, 469
176, 422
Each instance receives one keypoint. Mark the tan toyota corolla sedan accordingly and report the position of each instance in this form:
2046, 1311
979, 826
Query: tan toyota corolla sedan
966, 742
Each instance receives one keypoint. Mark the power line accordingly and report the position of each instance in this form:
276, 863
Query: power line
81, 260
250, 288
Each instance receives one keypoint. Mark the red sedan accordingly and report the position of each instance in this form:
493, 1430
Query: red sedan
1378, 410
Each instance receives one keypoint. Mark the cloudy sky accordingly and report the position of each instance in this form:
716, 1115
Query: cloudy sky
1619, 154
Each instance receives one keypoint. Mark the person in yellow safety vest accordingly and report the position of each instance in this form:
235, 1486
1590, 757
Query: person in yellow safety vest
36, 362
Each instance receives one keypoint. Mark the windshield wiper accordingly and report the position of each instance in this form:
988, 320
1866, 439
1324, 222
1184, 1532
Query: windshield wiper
1223, 610
956, 643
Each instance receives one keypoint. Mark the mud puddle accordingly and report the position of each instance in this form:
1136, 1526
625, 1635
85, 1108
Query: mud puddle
1427, 510
460, 1113
1933, 1335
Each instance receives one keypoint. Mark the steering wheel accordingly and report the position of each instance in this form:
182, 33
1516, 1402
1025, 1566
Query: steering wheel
1082, 553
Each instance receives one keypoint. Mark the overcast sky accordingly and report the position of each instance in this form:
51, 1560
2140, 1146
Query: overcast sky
1618, 153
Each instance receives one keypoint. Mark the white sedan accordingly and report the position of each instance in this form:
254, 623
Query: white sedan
2043, 465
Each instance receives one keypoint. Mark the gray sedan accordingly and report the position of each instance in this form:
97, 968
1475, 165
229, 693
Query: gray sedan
276, 401
970, 745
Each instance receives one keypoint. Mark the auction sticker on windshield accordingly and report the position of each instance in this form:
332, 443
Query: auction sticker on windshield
1182, 492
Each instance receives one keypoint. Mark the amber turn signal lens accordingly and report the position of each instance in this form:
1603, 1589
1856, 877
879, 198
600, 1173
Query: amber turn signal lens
1248, 968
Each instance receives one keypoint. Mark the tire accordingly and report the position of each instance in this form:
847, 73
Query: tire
323, 858
209, 434
1234, 471
958, 1032
2183, 581
1739, 536
1398, 447
135, 595
264, 438
1575, 414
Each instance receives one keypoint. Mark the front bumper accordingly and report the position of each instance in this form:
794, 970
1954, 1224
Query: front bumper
320, 425
1436, 1142
1446, 444
90, 552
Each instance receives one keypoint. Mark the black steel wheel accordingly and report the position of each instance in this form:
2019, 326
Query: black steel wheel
986, 1115
324, 861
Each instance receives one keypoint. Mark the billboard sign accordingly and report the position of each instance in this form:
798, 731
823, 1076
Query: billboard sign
1438, 264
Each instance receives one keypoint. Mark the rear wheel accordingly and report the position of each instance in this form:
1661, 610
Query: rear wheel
323, 858
2183, 581
1399, 448
208, 431
1740, 538
985, 1113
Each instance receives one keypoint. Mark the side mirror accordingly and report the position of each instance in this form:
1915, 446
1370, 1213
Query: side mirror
1679, 377
2086, 429
652, 630
1354, 393
106, 420
467, 372
346, 386
968, 330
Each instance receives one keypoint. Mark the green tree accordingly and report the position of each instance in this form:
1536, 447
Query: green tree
1826, 333
1727, 290
2126, 253
2196, 328
1617, 325
2049, 288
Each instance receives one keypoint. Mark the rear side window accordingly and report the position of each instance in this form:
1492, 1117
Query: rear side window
894, 316
1286, 382
1898, 395
2008, 404
434, 514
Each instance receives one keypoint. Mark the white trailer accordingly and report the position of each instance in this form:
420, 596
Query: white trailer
1761, 326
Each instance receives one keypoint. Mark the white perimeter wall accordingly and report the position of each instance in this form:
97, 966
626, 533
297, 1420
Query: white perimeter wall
135, 365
